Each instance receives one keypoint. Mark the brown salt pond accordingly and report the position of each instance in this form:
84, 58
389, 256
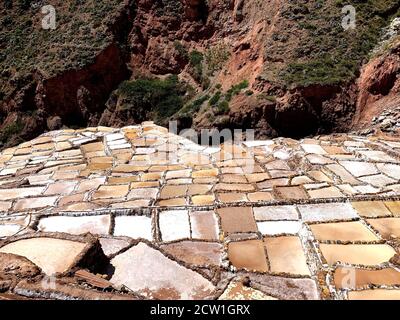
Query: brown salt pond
355, 278
363, 254
295, 192
286, 255
237, 219
196, 252
387, 227
249, 255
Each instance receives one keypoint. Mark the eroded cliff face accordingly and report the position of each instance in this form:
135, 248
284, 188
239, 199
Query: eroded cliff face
379, 87
261, 43
241, 63
72, 87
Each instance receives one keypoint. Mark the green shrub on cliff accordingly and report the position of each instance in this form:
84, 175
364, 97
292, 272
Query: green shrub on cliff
11, 130
162, 98
329, 54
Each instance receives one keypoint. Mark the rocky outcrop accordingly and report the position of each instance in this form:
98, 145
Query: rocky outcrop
235, 41
379, 89
78, 96
73, 97
161, 44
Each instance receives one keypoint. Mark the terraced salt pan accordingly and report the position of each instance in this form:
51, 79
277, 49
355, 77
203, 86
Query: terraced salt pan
7, 194
237, 220
286, 254
392, 170
174, 225
196, 252
204, 225
378, 180
51, 255
366, 189
329, 192
313, 148
376, 294
344, 175
7, 230
359, 168
387, 227
34, 203
363, 254
352, 278
148, 272
276, 213
371, 209
377, 156
344, 231
327, 212
279, 227
394, 207
293, 192
249, 255
134, 227
76, 225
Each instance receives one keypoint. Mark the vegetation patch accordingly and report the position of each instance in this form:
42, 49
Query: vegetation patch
157, 98
183, 52
215, 98
81, 33
215, 58
329, 54
236, 89
194, 106
11, 130
223, 107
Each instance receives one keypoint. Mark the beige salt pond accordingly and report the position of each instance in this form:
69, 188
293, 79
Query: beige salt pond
51, 255
387, 227
286, 255
363, 254
352, 278
344, 231
157, 275
249, 255
376, 294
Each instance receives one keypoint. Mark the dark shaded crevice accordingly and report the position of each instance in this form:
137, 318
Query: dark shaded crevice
203, 11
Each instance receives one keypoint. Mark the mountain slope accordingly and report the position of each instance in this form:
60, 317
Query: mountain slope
283, 68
